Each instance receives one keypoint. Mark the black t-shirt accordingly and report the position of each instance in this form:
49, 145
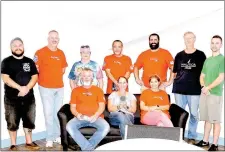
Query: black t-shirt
20, 71
188, 68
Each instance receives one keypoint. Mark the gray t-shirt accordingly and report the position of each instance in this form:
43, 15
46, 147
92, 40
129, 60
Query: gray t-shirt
115, 98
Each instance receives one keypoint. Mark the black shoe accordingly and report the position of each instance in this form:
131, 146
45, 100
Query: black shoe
202, 144
13, 148
213, 147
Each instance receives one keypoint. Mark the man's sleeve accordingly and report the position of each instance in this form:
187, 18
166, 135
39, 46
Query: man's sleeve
64, 63
169, 60
72, 75
139, 62
130, 67
221, 67
105, 64
101, 97
37, 58
4, 68
33, 68
73, 99
204, 67
175, 67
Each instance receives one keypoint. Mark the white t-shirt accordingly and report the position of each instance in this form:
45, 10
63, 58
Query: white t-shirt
115, 98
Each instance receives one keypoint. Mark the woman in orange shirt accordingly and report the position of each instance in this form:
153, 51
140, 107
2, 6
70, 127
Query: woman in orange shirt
154, 105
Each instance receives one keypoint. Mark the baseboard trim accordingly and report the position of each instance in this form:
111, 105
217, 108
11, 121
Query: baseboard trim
41, 135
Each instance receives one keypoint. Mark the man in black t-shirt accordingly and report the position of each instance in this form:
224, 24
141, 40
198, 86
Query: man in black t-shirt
186, 87
19, 74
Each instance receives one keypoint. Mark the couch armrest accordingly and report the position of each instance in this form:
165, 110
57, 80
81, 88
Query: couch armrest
64, 115
179, 116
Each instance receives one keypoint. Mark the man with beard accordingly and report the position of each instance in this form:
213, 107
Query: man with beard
211, 99
19, 74
87, 104
154, 61
116, 65
51, 63
186, 87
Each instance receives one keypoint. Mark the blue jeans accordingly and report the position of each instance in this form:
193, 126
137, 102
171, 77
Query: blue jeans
52, 100
193, 104
75, 124
121, 119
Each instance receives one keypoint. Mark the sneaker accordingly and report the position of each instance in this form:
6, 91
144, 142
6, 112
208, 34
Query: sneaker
191, 141
13, 148
57, 140
202, 144
32, 146
49, 144
213, 147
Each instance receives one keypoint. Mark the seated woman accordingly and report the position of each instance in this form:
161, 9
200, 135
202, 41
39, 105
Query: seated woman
122, 106
154, 105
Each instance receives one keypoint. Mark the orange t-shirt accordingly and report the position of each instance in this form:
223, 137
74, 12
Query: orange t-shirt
50, 64
118, 66
154, 63
151, 98
87, 100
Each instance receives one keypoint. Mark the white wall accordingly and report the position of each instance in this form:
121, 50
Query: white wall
98, 24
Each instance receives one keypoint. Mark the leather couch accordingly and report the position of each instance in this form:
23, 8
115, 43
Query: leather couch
178, 117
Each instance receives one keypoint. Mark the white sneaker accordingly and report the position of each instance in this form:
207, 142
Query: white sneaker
49, 144
57, 140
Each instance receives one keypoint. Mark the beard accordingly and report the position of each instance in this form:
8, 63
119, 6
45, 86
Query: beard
18, 55
87, 83
154, 47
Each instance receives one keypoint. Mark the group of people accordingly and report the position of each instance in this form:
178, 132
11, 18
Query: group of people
197, 81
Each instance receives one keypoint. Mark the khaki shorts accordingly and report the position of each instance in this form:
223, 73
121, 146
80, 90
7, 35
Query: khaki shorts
210, 107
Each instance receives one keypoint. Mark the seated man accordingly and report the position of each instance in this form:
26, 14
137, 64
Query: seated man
154, 105
87, 105
122, 106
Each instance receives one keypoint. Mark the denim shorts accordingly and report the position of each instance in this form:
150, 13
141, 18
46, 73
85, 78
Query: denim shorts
15, 110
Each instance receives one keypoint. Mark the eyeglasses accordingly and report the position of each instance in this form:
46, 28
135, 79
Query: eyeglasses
85, 46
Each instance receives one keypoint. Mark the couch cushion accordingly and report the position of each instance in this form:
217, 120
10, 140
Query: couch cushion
89, 131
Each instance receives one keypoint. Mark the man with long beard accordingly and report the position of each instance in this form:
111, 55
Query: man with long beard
154, 61
19, 74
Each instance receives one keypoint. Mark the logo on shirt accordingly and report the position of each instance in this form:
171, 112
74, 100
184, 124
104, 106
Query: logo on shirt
35, 59
55, 57
159, 97
118, 62
154, 59
188, 65
26, 67
87, 93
